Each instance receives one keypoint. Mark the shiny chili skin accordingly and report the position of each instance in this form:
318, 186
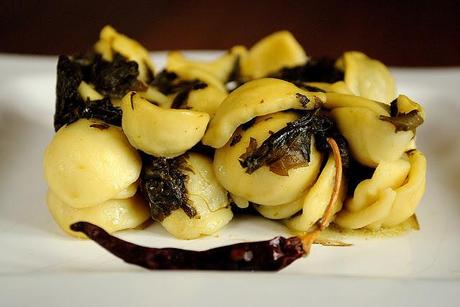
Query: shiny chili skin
270, 255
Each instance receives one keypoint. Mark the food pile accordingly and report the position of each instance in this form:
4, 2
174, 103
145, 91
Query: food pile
253, 129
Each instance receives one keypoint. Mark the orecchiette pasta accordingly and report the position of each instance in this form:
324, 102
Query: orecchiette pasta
220, 68
316, 199
367, 77
386, 175
206, 100
112, 215
128, 192
389, 197
339, 87
272, 53
256, 98
264, 128
281, 211
338, 100
112, 42
263, 187
89, 162
206, 196
149, 128
410, 193
371, 140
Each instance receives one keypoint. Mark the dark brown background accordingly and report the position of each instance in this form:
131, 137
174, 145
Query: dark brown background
405, 33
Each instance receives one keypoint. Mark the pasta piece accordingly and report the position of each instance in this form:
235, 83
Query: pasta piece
191, 73
408, 196
405, 105
386, 175
206, 196
272, 53
87, 92
338, 100
161, 132
156, 97
111, 215
367, 77
221, 68
281, 211
339, 87
389, 197
207, 100
370, 139
89, 162
202, 185
317, 199
128, 192
239, 201
182, 227
152, 95
111, 42
369, 215
263, 187
256, 98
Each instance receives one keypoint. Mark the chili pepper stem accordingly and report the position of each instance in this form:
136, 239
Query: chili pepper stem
309, 238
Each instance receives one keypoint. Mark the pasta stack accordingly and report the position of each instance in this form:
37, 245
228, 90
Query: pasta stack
248, 129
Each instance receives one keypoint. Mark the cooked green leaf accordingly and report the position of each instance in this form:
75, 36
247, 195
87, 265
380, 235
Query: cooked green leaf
404, 121
290, 147
162, 183
115, 78
70, 106
315, 70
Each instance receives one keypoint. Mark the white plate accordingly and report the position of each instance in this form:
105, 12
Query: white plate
38, 263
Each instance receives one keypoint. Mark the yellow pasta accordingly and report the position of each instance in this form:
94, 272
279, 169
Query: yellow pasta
316, 199
367, 77
256, 98
274, 130
272, 53
149, 128
112, 215
263, 187
206, 196
111, 42
86, 163
371, 140
389, 197
220, 68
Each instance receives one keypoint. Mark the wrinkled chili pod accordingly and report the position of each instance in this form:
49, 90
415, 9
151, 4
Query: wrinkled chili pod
270, 255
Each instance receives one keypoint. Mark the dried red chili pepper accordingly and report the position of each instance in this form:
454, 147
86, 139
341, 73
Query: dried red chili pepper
271, 255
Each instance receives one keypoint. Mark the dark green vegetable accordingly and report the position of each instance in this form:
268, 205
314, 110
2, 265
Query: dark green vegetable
248, 124
180, 101
169, 83
102, 109
68, 100
403, 121
315, 70
290, 147
236, 138
102, 126
115, 78
235, 79
162, 183
302, 99
164, 81
70, 106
